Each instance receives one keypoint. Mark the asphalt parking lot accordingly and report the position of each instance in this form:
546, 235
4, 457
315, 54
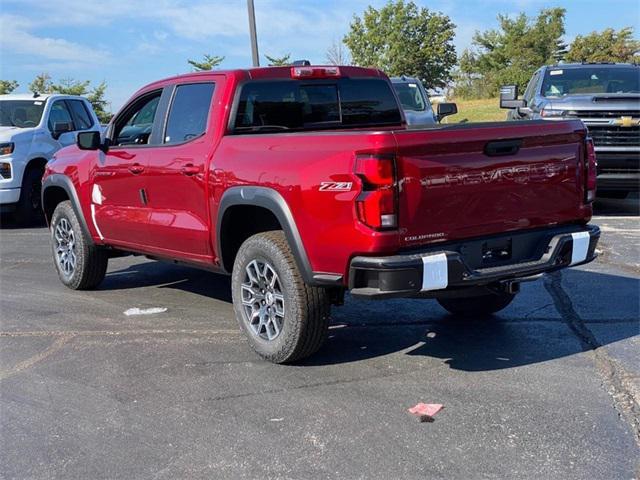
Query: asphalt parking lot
549, 388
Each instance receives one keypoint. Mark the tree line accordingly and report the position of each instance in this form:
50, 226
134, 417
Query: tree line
43, 83
404, 39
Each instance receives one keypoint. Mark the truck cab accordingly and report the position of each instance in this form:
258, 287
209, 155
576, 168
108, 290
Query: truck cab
415, 103
32, 128
606, 97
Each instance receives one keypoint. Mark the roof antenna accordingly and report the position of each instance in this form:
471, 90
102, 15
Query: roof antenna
36, 94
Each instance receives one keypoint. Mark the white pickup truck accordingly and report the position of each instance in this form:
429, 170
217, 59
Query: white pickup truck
32, 128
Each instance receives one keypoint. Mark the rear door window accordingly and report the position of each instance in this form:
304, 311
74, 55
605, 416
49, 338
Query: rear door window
189, 112
278, 105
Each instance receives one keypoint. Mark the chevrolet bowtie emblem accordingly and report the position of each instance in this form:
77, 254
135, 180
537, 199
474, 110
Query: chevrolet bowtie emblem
627, 122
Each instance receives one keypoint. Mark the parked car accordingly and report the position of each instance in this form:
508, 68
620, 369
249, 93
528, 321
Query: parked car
416, 105
606, 97
32, 129
302, 182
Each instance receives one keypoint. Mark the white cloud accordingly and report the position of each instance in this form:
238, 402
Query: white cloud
17, 38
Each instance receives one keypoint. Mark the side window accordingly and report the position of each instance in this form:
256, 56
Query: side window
81, 116
134, 126
59, 114
189, 112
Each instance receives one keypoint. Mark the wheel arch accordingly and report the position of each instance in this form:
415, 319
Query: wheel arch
269, 206
57, 188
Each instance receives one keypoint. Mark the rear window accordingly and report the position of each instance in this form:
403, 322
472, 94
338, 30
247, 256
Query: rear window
269, 106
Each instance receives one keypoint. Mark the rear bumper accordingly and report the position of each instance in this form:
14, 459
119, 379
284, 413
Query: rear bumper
441, 270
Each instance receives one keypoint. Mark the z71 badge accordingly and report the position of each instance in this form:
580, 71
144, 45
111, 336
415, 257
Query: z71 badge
335, 186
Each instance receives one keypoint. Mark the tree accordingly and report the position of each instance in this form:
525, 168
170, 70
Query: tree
403, 39
605, 46
69, 86
41, 84
510, 54
209, 62
279, 61
96, 97
8, 86
337, 55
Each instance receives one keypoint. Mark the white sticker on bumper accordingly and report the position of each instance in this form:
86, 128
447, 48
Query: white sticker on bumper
580, 247
435, 274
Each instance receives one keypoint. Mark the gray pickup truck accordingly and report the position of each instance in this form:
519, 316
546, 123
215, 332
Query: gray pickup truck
606, 97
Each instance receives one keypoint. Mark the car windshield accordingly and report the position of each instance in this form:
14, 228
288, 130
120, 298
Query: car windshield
21, 113
559, 82
410, 96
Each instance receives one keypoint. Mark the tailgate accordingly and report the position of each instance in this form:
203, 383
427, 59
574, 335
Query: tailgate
463, 181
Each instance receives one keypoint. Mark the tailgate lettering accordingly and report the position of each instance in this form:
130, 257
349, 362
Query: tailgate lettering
520, 174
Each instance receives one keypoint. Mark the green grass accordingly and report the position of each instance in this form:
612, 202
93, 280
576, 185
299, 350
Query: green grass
483, 110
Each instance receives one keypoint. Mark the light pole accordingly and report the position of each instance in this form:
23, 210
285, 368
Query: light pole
252, 34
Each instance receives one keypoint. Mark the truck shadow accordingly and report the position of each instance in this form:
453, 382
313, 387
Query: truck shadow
529, 331
167, 275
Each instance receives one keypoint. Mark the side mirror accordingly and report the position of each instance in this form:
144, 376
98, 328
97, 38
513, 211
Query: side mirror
446, 109
61, 127
90, 141
67, 138
509, 97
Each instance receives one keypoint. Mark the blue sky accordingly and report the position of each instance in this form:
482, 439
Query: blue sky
129, 43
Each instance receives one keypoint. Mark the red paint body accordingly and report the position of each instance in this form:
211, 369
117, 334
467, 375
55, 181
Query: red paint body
447, 187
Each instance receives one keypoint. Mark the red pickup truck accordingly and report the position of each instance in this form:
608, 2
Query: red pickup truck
303, 182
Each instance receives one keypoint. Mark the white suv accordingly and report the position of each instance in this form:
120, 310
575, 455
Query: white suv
32, 128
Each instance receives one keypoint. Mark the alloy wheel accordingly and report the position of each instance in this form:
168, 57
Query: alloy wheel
263, 300
65, 243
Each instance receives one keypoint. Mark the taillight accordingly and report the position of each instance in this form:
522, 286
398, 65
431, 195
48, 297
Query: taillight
377, 203
591, 165
315, 72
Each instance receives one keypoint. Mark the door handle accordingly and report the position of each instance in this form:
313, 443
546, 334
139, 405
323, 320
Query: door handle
136, 168
190, 169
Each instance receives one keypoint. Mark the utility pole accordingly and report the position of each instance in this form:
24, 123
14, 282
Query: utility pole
252, 34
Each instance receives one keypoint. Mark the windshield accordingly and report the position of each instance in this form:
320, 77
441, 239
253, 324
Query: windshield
410, 96
559, 82
21, 113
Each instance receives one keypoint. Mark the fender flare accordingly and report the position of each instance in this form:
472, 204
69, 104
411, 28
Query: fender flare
64, 182
271, 200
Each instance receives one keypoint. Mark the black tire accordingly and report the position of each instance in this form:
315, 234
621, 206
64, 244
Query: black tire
29, 208
90, 261
477, 306
304, 321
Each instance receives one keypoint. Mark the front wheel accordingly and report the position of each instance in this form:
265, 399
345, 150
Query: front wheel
482, 305
283, 318
80, 264
29, 209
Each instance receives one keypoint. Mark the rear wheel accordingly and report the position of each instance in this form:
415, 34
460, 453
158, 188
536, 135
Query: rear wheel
29, 207
477, 306
80, 264
283, 318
